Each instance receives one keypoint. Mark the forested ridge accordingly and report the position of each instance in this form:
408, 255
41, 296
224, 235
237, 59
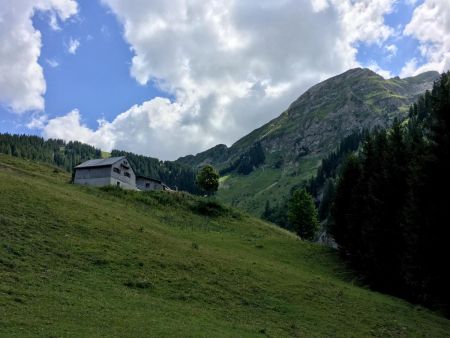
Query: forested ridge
60, 153
67, 155
391, 208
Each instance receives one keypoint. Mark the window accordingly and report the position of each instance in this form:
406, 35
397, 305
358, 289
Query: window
127, 174
118, 184
147, 185
116, 170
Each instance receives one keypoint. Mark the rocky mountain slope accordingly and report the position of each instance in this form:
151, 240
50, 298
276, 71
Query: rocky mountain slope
294, 143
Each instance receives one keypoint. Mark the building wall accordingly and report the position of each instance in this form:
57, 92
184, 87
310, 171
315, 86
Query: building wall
102, 176
141, 184
91, 173
96, 182
97, 177
126, 182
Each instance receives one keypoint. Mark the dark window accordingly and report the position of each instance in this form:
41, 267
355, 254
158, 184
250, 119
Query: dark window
147, 185
127, 174
118, 184
116, 170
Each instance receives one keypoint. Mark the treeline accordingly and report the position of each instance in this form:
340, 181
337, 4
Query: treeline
67, 155
391, 208
322, 186
62, 154
171, 173
247, 162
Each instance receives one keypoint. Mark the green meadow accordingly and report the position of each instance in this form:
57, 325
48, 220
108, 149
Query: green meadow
88, 262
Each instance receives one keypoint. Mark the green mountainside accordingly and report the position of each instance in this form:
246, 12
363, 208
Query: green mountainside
313, 125
79, 261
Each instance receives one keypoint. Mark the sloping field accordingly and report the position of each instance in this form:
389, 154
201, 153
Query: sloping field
86, 262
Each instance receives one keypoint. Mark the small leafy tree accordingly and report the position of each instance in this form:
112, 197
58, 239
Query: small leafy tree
208, 179
302, 214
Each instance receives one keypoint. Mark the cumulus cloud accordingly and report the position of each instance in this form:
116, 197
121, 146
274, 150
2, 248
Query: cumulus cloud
22, 83
430, 25
38, 121
155, 127
229, 65
70, 127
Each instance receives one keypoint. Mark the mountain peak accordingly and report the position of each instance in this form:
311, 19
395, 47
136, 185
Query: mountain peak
315, 122
359, 71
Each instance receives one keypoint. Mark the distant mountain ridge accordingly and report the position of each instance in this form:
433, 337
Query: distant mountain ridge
311, 127
360, 97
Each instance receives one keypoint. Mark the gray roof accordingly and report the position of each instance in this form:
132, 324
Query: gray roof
149, 178
102, 162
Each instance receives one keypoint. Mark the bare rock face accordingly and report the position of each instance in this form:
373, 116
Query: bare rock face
327, 112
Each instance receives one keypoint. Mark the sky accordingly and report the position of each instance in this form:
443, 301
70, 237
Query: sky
172, 78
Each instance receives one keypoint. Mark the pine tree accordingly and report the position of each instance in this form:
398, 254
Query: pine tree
391, 206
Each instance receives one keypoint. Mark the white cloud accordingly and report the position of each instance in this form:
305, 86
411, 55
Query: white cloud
230, 66
38, 121
73, 45
430, 25
22, 83
53, 22
363, 20
373, 65
319, 5
391, 51
52, 63
70, 127
409, 69
155, 127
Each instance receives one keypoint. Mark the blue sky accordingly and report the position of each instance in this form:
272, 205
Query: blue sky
407, 47
96, 79
177, 88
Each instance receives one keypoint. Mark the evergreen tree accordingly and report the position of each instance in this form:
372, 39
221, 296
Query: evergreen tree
345, 211
302, 215
391, 206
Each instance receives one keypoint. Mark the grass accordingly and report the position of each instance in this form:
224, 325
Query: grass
87, 262
250, 192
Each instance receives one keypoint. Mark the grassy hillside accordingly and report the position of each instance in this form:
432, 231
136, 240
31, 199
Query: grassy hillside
80, 262
250, 192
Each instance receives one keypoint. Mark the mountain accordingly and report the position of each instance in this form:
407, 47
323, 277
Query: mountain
80, 261
294, 143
